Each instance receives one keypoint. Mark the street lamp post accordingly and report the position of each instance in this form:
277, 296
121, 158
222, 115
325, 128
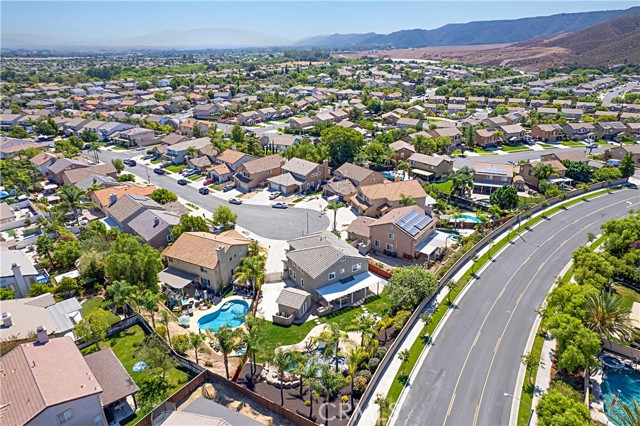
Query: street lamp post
508, 395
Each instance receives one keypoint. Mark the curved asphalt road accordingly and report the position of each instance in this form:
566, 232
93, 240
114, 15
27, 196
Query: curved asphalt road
476, 358
267, 222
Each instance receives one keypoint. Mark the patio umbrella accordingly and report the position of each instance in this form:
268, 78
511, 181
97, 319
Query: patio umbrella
139, 366
184, 320
197, 293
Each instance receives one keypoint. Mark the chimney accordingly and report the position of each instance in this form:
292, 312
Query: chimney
41, 334
156, 221
220, 253
112, 198
6, 319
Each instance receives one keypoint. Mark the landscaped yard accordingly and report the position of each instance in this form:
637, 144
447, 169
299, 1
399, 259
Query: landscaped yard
99, 303
126, 345
627, 294
517, 148
276, 335
546, 145
444, 187
118, 148
572, 144
482, 151
175, 168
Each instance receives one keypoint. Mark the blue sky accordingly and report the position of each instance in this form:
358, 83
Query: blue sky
289, 19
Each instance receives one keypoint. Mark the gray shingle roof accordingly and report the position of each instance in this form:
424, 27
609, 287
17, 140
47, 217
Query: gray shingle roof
145, 224
292, 297
315, 253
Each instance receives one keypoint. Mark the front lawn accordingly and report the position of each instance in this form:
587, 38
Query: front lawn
125, 346
175, 168
517, 148
572, 144
99, 303
482, 151
444, 187
546, 145
118, 148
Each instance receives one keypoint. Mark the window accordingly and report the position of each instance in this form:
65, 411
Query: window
504, 178
169, 238
301, 283
205, 281
391, 236
202, 269
332, 275
389, 247
65, 416
343, 259
376, 243
342, 271
294, 274
170, 259
356, 267
97, 420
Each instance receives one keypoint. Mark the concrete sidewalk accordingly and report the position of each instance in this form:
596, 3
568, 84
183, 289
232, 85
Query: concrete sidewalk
543, 378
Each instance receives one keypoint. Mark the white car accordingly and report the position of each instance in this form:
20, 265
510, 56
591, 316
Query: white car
235, 200
275, 195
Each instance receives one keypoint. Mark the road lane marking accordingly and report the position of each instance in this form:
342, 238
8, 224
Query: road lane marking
507, 284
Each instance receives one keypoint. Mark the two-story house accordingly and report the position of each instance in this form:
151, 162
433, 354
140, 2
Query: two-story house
547, 132
487, 177
448, 132
359, 176
205, 259
429, 167
487, 137
513, 132
375, 200
609, 129
136, 136
526, 171
401, 231
177, 153
300, 176
254, 173
579, 131
402, 149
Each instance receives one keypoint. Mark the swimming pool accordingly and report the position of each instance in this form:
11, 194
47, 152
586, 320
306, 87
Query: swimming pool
465, 218
627, 382
231, 313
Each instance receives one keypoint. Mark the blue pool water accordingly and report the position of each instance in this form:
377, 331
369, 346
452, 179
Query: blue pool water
231, 313
465, 218
627, 381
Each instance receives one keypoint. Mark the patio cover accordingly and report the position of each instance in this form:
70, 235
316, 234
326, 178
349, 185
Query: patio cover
176, 278
421, 172
432, 243
491, 185
337, 290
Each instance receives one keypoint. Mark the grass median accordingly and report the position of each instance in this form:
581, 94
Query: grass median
419, 345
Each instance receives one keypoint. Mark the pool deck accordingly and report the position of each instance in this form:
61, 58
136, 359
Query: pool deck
199, 313
596, 407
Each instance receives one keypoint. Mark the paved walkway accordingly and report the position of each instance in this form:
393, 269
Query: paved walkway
543, 378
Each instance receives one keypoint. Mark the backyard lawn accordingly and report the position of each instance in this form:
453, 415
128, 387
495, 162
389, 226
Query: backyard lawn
627, 294
98, 303
444, 187
125, 346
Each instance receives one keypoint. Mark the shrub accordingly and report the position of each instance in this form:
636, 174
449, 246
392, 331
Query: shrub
373, 364
307, 402
381, 352
359, 385
364, 373
161, 330
180, 343
208, 363
345, 398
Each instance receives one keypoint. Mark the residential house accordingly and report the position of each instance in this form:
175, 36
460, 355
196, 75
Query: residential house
7, 214
177, 153
403, 150
103, 198
277, 142
18, 272
429, 167
7, 121
123, 209
206, 111
43, 161
22, 316
111, 129
547, 132
267, 114
486, 137
375, 200
248, 118
448, 132
526, 171
300, 176
619, 152
579, 131
73, 176
403, 123
203, 258
300, 122
609, 129
359, 176
136, 136
74, 126
487, 177
188, 127
233, 159
154, 226
575, 156
513, 132
56, 170
573, 114
254, 173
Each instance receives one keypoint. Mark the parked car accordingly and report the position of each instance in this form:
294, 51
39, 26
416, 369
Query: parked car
132, 163
182, 182
592, 145
279, 205
235, 200
158, 171
204, 190
140, 148
275, 195
209, 181
229, 187
189, 172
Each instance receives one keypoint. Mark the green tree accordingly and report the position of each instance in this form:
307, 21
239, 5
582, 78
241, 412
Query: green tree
93, 328
94, 147
149, 302
228, 340
307, 371
378, 153
189, 224
196, 341
67, 287
543, 171
67, 250
462, 180
505, 197
118, 164
578, 171
561, 406
47, 127
607, 174
344, 144
133, 262
165, 319
126, 177
608, 316
591, 268
404, 356
120, 293
621, 234
37, 289
163, 196
333, 336
335, 206
407, 200
306, 150
66, 148
356, 355
73, 199
88, 136
330, 383
409, 285
44, 247
224, 217
425, 145
18, 132
251, 270
627, 166
253, 339
281, 360
364, 324
6, 294
237, 134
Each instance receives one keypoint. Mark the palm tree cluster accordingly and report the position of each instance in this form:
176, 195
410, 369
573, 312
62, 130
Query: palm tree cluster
252, 271
462, 180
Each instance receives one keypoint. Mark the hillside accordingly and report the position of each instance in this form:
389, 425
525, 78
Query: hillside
472, 33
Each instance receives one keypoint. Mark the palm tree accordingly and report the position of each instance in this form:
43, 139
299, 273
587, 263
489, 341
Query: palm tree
627, 414
228, 341
330, 383
332, 335
191, 152
543, 171
281, 360
450, 284
253, 339
195, 341
366, 325
165, 319
383, 403
72, 200
333, 205
120, 293
252, 270
462, 180
407, 200
149, 302
308, 371
383, 325
403, 167
355, 355
94, 147
607, 316
254, 248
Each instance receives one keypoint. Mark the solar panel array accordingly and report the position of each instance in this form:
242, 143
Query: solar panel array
413, 222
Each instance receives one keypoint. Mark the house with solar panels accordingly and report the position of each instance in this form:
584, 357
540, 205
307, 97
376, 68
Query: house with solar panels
405, 232
487, 177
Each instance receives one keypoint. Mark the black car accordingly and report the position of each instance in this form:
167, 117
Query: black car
132, 163
204, 191
158, 171
182, 182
